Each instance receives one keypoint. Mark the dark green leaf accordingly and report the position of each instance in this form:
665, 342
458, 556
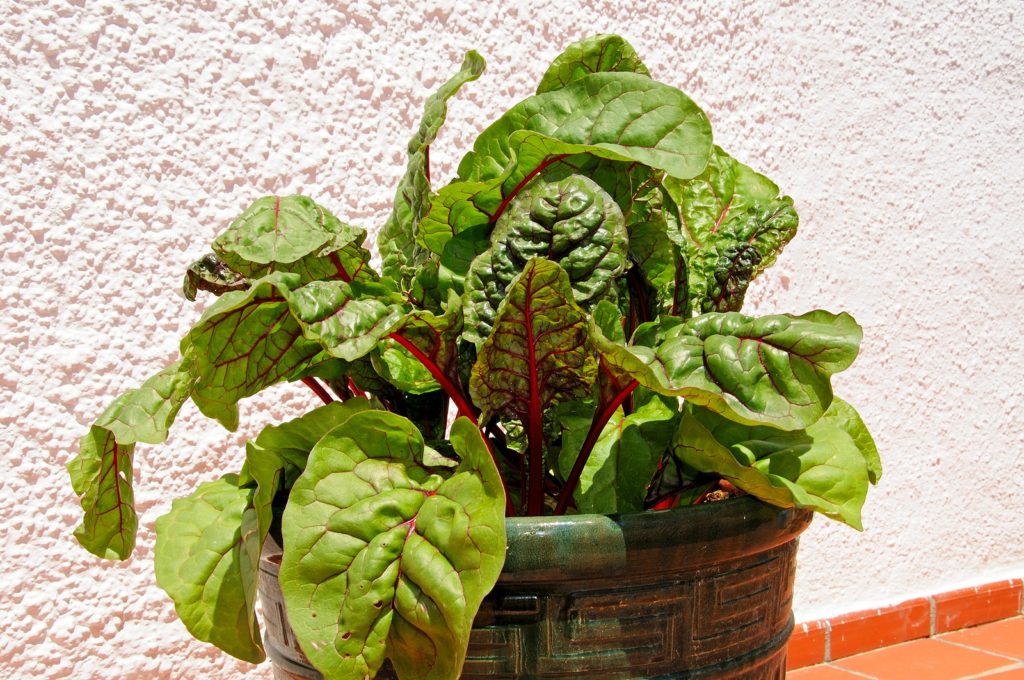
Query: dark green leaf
387, 557
591, 55
572, 222
823, 467
210, 274
537, 354
734, 224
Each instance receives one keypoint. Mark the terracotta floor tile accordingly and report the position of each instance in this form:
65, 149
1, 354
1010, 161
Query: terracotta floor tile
1002, 637
929, 658
822, 673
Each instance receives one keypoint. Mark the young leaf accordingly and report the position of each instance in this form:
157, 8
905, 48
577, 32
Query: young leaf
572, 222
386, 557
598, 53
210, 274
773, 370
293, 234
101, 473
207, 560
824, 467
616, 116
624, 458
246, 341
399, 250
734, 224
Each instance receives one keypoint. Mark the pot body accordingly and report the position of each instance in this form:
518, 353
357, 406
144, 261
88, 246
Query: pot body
699, 592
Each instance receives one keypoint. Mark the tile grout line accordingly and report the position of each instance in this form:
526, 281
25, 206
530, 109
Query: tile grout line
933, 616
972, 648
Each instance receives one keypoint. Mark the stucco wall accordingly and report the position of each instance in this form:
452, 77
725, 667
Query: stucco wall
130, 133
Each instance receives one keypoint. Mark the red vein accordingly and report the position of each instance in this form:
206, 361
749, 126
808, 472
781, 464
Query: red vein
461, 403
534, 415
340, 267
526, 180
318, 389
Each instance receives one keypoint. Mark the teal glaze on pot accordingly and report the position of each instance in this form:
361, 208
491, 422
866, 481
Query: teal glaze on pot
699, 592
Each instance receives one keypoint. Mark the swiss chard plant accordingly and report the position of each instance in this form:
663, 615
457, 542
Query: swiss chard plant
574, 295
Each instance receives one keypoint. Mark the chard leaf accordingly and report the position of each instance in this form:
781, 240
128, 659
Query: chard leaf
101, 473
210, 274
773, 370
207, 559
246, 341
293, 234
616, 116
624, 459
598, 53
734, 224
824, 467
572, 222
401, 254
537, 354
345, 319
387, 557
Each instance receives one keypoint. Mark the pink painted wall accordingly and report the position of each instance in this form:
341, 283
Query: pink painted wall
132, 132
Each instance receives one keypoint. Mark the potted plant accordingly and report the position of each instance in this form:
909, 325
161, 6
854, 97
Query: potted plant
574, 296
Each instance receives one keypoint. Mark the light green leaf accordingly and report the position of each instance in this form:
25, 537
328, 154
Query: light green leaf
773, 370
623, 460
823, 467
207, 560
387, 558
572, 222
537, 354
293, 234
616, 116
734, 224
101, 473
246, 341
598, 53
401, 254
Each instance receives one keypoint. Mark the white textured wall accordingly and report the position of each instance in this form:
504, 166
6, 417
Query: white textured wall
130, 133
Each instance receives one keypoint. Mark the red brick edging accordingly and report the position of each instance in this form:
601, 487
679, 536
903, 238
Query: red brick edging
830, 639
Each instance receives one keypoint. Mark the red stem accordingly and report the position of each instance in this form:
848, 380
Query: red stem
318, 389
526, 180
461, 403
426, 163
355, 390
342, 272
596, 426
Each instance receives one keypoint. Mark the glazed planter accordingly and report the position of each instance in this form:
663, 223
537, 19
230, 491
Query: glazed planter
698, 592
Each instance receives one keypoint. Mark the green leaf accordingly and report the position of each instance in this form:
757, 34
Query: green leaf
572, 222
623, 460
773, 370
101, 473
207, 560
386, 557
343, 321
401, 254
246, 341
616, 116
823, 467
293, 234
458, 255
734, 224
537, 354
598, 53
210, 274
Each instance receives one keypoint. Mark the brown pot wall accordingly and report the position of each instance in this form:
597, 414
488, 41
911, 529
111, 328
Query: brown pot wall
702, 592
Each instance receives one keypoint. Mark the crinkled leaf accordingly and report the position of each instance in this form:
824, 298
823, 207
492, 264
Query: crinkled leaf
572, 222
616, 116
458, 255
385, 557
246, 341
210, 274
293, 234
624, 459
773, 370
101, 473
401, 254
823, 467
537, 354
598, 53
207, 560
734, 224
346, 323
